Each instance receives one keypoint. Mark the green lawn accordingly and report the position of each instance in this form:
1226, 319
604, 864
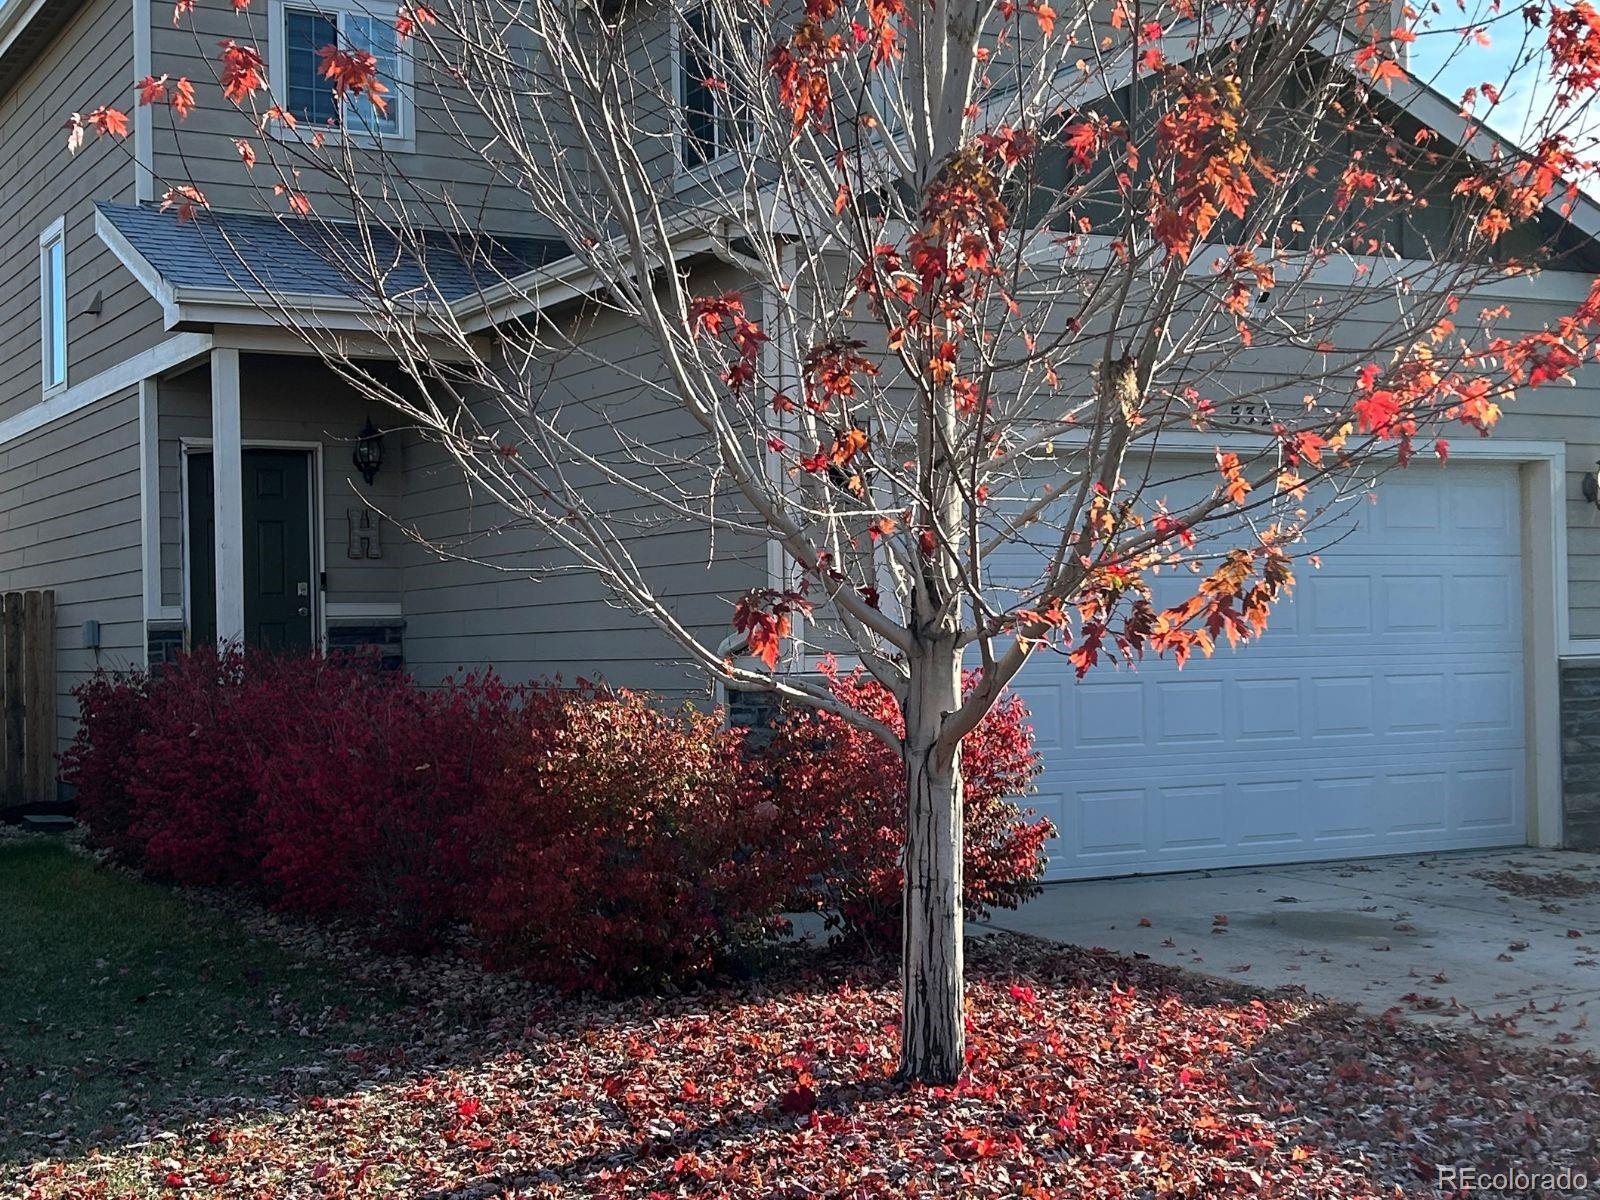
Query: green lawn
119, 998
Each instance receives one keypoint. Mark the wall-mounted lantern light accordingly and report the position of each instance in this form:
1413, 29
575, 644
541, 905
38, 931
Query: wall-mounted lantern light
368, 456
1591, 486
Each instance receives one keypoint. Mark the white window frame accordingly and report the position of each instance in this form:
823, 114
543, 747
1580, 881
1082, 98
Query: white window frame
400, 90
54, 234
722, 149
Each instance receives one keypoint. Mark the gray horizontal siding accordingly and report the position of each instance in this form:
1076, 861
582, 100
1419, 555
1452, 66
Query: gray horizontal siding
69, 521
201, 149
466, 615
89, 63
496, 611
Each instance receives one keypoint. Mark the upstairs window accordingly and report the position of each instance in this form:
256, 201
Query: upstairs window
303, 30
53, 305
709, 90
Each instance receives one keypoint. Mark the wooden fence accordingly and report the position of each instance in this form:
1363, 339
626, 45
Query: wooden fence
28, 647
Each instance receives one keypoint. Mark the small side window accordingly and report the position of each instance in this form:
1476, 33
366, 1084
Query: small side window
716, 117
53, 306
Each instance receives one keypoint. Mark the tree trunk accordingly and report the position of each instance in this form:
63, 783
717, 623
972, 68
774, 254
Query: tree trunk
933, 1028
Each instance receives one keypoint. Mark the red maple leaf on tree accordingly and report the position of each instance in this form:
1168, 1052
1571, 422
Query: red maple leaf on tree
243, 72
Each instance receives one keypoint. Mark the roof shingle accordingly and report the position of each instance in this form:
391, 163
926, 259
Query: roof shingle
259, 253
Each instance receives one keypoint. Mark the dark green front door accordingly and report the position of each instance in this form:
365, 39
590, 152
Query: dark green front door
278, 578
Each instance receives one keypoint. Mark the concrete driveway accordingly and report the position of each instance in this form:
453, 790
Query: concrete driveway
1504, 941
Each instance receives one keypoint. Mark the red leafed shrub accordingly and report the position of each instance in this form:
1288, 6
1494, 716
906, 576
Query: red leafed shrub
626, 846
589, 837
842, 793
331, 788
191, 794
593, 839
113, 708
368, 810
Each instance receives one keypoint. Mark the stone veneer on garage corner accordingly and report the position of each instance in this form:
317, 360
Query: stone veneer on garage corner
1580, 754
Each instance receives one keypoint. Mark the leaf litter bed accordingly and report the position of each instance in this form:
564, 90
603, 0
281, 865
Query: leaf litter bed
1091, 1075
1548, 885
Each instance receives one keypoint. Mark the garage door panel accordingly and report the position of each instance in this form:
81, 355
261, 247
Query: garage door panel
1487, 701
1267, 815
1343, 708
1470, 504
1484, 603
1490, 799
1344, 807
1190, 817
1267, 709
1337, 606
1417, 704
1184, 823
1414, 603
1408, 507
1112, 822
1382, 712
1191, 825
1481, 503
1190, 712
1295, 707
1110, 716
1417, 803
1417, 606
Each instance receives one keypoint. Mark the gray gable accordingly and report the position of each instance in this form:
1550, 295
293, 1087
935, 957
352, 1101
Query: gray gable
308, 257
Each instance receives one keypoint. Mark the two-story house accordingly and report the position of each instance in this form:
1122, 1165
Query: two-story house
179, 468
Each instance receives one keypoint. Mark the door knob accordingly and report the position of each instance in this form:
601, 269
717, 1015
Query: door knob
303, 611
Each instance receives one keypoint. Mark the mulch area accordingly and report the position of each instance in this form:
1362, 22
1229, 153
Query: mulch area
1091, 1075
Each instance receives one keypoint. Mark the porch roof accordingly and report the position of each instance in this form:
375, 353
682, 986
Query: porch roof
271, 258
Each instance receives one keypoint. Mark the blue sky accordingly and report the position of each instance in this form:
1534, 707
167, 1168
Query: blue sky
1511, 62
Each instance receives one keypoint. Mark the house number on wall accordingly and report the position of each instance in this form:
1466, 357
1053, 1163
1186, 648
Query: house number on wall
365, 538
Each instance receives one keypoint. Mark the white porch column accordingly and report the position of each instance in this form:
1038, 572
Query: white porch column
150, 497
227, 472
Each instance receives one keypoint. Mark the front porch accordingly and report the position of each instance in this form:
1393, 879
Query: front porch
261, 527
243, 295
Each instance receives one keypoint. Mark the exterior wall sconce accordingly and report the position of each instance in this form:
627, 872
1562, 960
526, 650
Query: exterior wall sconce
1591, 486
368, 456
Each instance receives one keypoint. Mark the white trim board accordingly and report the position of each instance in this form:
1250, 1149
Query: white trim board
144, 175
50, 279
1545, 618
227, 493
15, 17
150, 503
157, 360
362, 610
280, 339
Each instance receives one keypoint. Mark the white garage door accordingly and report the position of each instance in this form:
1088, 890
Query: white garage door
1380, 714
